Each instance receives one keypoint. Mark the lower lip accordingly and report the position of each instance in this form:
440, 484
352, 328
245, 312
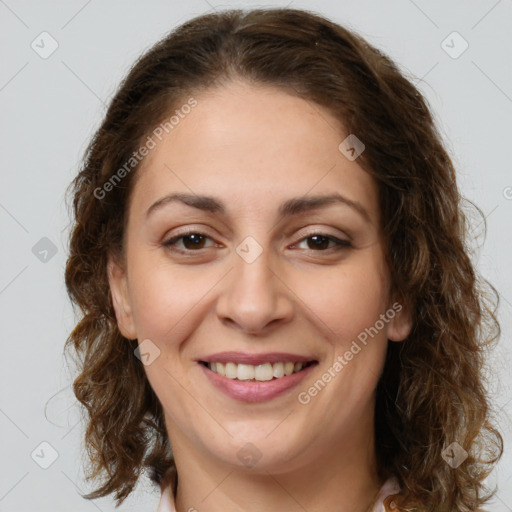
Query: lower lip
256, 391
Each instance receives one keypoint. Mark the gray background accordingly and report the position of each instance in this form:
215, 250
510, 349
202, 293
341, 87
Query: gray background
49, 108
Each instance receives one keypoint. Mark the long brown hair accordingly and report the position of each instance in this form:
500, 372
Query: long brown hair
432, 391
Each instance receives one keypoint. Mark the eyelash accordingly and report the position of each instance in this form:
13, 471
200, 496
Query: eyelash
341, 244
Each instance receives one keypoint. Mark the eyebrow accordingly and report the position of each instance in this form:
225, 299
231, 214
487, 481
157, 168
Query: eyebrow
290, 207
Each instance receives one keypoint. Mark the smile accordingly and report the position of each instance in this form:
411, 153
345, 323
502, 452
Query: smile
253, 378
261, 372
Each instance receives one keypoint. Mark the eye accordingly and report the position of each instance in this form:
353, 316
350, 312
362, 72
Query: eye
195, 241
320, 242
192, 241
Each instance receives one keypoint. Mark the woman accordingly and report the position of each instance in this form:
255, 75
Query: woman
279, 311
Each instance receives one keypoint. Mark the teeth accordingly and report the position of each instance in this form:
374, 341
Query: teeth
288, 368
261, 372
231, 370
264, 372
278, 370
220, 369
245, 372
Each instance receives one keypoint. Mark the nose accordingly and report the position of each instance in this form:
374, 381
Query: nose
255, 296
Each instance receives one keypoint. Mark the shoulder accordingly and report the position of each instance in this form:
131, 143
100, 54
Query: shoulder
385, 495
166, 501
389, 497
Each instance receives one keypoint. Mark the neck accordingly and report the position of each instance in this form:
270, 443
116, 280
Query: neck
343, 480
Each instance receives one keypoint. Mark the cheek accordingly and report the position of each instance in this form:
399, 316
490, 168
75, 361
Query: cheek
167, 306
169, 300
153, 295
347, 298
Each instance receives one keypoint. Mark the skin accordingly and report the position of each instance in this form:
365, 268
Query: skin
253, 147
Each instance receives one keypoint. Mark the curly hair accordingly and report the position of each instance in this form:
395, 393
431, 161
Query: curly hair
432, 391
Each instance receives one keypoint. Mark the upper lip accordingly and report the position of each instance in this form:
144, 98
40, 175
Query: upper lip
255, 359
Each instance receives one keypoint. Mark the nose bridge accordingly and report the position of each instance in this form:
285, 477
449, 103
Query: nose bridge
253, 296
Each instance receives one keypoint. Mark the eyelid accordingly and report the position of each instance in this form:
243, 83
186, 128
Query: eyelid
340, 243
311, 231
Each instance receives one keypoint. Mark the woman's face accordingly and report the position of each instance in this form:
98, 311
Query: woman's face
270, 274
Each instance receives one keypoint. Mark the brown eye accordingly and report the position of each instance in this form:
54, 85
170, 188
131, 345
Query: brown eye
320, 242
194, 241
191, 241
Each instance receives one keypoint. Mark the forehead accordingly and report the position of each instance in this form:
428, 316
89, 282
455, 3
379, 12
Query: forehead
255, 146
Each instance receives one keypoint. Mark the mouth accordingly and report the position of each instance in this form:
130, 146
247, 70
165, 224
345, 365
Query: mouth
261, 373
255, 377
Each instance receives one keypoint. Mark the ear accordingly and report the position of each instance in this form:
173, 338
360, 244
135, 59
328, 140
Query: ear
118, 282
400, 324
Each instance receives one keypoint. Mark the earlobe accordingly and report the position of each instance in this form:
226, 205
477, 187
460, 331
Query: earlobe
400, 325
118, 283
